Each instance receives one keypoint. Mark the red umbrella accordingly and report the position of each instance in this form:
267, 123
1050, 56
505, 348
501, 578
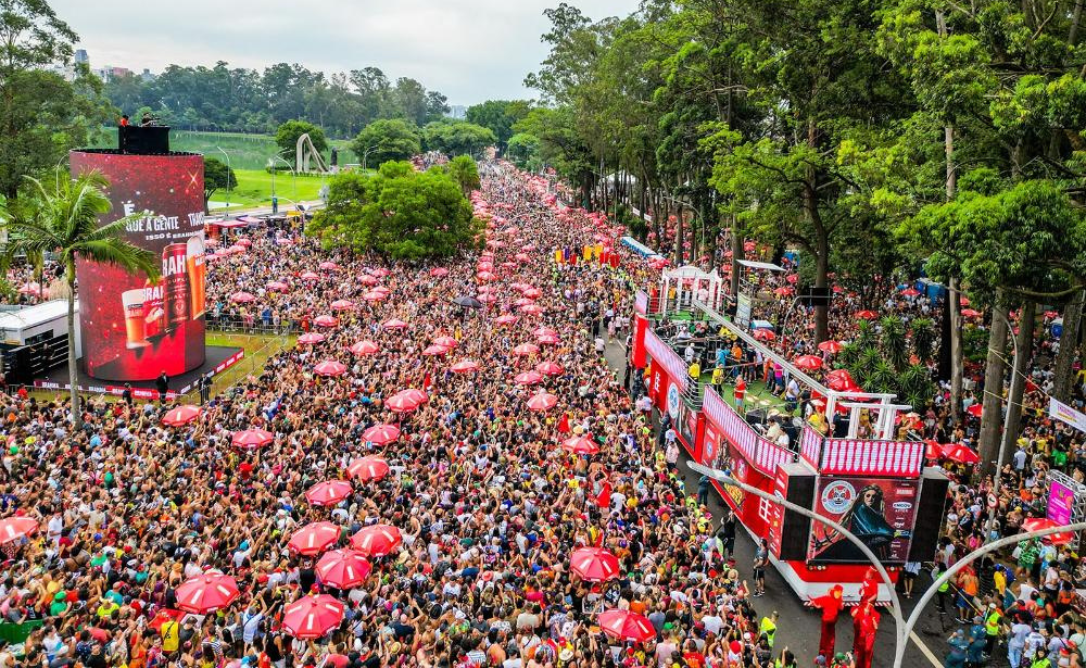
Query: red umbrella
343, 569
446, 342
792, 278
342, 305
328, 493
975, 410
910, 292
485, 276
549, 339
970, 313
528, 378
531, 309
523, 301
312, 616
417, 395
465, 366
314, 538
326, 321
368, 468
594, 564
330, 368
626, 625
207, 593
435, 351
1041, 523
832, 347
377, 540
395, 323
539, 332
932, 450
181, 415
542, 402
525, 349
750, 247
375, 296
964, 301
866, 315
808, 362
381, 434
402, 402
438, 272
783, 292
550, 369
278, 286
956, 452
16, 528
251, 439
309, 276
581, 446
368, 280
506, 319
532, 293
242, 298
328, 266
311, 338
764, 334
365, 348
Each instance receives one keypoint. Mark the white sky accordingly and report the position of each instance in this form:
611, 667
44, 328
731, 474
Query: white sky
470, 50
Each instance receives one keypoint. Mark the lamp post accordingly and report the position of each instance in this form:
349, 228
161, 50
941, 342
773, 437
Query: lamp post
1004, 441
228, 172
293, 174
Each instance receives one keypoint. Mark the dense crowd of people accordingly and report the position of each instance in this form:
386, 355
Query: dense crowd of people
488, 502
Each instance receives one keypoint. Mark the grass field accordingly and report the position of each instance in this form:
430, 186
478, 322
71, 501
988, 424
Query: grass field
258, 349
247, 152
255, 189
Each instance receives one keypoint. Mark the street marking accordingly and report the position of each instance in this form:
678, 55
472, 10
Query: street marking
924, 650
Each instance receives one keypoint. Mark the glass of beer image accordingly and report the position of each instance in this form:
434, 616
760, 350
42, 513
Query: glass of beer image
196, 271
134, 321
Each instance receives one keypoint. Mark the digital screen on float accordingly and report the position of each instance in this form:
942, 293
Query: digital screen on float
132, 328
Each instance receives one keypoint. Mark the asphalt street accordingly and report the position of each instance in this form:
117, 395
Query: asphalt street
798, 628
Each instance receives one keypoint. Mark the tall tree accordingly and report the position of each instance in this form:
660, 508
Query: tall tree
217, 176
385, 141
286, 137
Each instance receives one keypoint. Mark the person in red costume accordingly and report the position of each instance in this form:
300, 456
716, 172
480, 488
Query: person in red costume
869, 590
830, 605
865, 623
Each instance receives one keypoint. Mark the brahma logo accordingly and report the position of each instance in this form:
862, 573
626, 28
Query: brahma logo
838, 496
673, 401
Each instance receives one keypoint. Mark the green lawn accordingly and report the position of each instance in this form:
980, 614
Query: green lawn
246, 151
258, 348
255, 189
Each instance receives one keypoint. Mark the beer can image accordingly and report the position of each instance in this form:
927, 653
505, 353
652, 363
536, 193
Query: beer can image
196, 272
175, 275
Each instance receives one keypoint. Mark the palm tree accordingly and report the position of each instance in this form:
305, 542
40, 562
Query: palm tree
68, 226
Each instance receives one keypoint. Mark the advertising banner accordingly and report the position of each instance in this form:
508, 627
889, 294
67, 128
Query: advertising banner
880, 512
1061, 500
1064, 413
133, 329
776, 512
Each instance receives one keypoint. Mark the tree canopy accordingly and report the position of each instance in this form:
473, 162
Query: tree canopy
236, 99
398, 212
386, 140
456, 138
286, 137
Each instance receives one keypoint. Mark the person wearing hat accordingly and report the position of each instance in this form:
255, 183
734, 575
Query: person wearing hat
830, 605
958, 645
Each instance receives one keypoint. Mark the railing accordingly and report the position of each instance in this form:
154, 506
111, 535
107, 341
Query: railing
252, 325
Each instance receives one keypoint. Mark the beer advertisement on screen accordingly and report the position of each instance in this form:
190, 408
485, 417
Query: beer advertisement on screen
880, 512
133, 328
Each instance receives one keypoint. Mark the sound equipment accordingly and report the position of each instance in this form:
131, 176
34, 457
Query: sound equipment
796, 531
148, 140
929, 515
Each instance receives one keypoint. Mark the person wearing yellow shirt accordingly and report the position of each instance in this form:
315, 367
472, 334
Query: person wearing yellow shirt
107, 608
171, 636
695, 371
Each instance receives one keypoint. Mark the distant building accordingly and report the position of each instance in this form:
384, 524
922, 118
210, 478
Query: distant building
147, 76
108, 73
81, 57
458, 111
